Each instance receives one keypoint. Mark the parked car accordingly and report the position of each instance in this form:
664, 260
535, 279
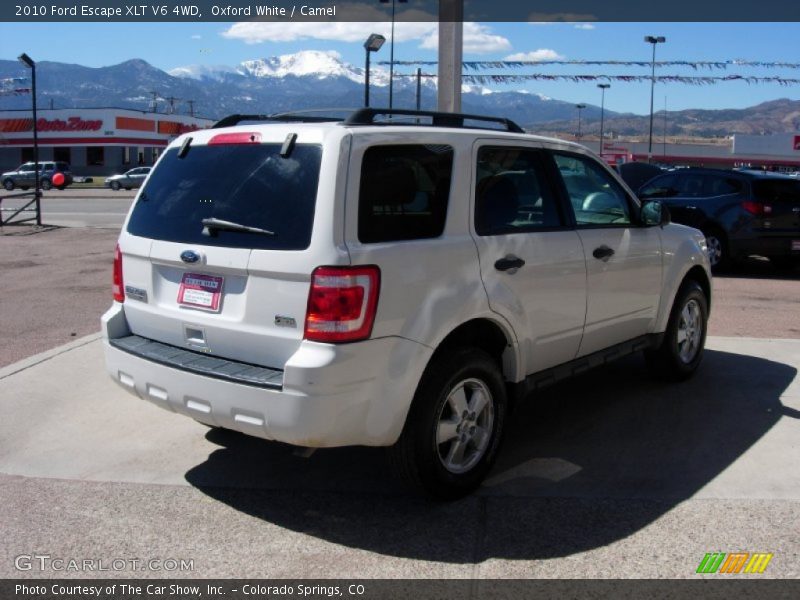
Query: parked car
129, 180
405, 285
24, 176
741, 213
637, 173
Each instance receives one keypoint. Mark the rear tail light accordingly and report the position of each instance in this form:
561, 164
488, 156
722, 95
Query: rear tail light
117, 286
341, 303
758, 209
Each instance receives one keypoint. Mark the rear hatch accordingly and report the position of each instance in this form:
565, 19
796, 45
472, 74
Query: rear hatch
207, 285
780, 197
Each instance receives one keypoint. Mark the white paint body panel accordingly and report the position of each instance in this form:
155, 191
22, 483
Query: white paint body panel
360, 393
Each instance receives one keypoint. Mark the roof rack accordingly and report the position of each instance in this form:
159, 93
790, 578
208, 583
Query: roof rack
366, 116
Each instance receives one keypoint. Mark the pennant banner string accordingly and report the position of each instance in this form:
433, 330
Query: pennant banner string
478, 65
502, 78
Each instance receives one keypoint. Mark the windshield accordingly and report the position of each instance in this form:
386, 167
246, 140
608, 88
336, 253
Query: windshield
247, 184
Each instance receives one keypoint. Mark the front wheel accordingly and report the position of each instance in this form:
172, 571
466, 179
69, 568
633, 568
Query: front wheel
115, 186
681, 349
8, 184
455, 425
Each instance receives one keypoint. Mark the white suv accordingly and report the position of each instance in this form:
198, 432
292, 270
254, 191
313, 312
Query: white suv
381, 282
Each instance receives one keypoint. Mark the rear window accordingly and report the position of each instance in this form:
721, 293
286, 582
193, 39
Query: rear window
247, 184
777, 190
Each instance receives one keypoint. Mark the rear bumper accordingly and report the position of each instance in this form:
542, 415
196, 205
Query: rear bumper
331, 395
765, 245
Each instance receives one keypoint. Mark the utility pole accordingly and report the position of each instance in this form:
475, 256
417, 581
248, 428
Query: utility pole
154, 101
451, 46
654, 40
191, 107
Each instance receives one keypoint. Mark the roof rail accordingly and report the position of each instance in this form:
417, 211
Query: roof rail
232, 120
366, 116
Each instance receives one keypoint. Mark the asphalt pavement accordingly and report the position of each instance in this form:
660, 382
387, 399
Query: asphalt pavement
610, 475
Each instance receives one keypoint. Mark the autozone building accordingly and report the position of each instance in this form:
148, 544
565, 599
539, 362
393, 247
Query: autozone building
94, 141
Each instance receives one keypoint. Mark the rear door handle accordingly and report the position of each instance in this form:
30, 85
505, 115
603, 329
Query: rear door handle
602, 252
508, 263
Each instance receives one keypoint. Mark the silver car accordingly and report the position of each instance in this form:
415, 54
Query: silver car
24, 176
129, 180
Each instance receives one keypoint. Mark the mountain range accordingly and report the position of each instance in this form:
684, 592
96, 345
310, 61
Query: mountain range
317, 79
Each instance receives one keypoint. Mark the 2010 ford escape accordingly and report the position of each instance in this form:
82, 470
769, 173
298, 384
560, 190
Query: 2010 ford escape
381, 282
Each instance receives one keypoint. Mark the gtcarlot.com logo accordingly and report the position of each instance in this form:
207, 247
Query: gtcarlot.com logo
734, 562
47, 562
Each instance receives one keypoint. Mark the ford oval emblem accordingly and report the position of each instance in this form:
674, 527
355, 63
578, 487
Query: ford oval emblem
190, 256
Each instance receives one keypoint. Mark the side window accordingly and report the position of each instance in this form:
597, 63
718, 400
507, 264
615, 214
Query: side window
512, 194
404, 192
690, 185
661, 187
595, 197
720, 186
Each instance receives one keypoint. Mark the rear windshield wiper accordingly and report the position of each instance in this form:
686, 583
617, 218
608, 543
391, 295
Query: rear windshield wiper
212, 224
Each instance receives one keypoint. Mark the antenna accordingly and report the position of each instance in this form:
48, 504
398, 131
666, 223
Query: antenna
154, 101
171, 100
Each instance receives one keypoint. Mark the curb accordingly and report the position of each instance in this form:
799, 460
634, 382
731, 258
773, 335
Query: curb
32, 361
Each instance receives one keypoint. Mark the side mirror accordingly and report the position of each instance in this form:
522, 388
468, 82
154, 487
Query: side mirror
654, 212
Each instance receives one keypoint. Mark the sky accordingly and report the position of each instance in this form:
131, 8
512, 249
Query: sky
170, 45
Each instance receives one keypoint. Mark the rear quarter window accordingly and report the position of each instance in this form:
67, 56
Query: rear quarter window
248, 184
404, 192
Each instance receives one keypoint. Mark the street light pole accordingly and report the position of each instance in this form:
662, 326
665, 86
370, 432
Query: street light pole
373, 44
580, 107
603, 87
31, 64
654, 40
391, 51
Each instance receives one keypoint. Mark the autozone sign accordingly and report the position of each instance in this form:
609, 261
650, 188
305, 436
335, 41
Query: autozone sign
71, 124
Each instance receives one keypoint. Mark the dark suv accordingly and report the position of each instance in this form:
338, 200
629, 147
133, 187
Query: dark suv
741, 213
24, 176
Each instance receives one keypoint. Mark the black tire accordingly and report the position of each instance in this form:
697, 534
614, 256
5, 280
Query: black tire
25, 188
127, 189
417, 457
115, 186
8, 184
672, 360
46, 184
718, 250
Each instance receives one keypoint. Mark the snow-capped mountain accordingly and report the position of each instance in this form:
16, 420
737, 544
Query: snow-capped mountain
307, 63
304, 80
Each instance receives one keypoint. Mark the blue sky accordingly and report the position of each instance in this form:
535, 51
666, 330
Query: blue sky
170, 45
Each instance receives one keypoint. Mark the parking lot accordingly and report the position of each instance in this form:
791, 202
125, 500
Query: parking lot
609, 475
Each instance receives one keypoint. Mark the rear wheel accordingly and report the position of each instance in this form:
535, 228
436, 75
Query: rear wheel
46, 184
681, 350
454, 428
8, 184
718, 253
